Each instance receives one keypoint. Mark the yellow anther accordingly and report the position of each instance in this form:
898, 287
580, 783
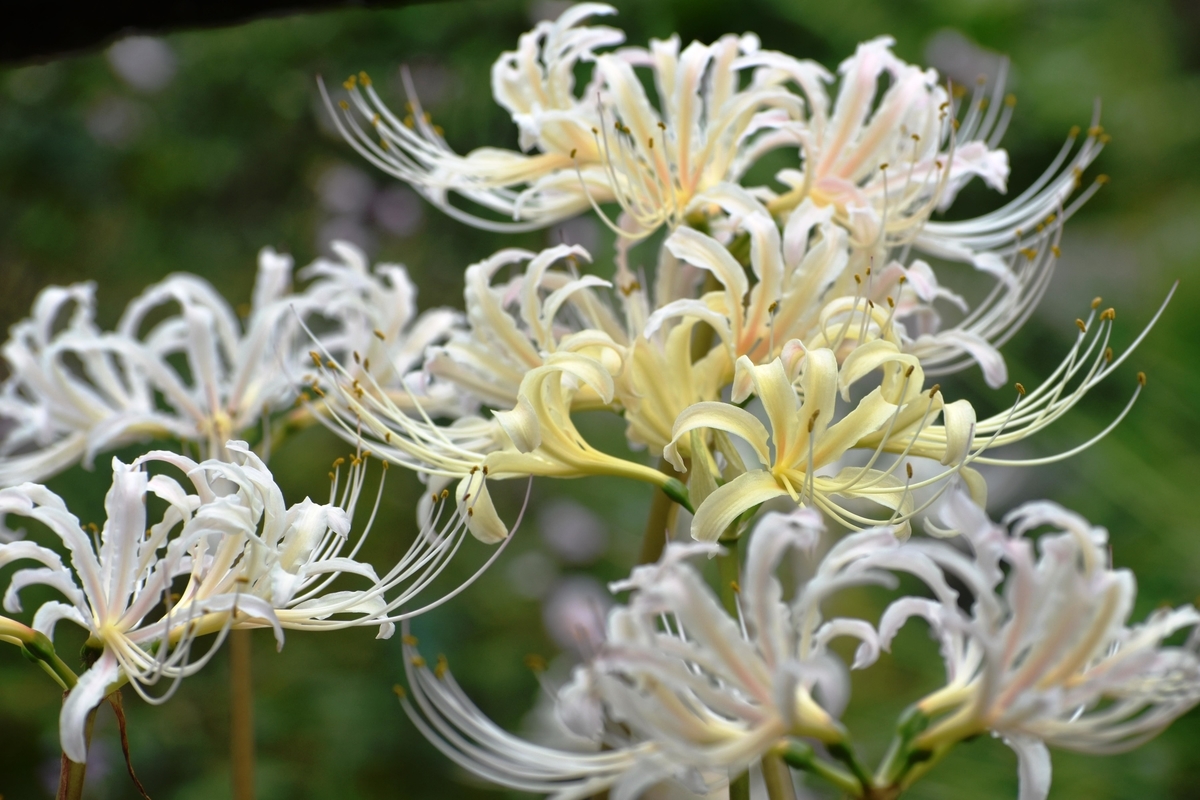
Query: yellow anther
1029, 252
441, 668
891, 303
933, 390
387, 437
445, 493
883, 166
1102, 179
1096, 302
573, 151
1104, 138
375, 120
1010, 99
364, 79
379, 334
1056, 250
1108, 355
734, 585
409, 122
1141, 378
316, 357
383, 143
1073, 132
350, 82
344, 105
357, 358
908, 372
1021, 389
1079, 324
983, 103
956, 125
418, 662
398, 690
1109, 314
367, 364
337, 462
409, 640
1095, 130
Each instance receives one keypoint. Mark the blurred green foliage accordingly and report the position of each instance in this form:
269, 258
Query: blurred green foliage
100, 181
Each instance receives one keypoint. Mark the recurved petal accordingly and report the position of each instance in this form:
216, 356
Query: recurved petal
521, 425
475, 506
718, 416
959, 419
87, 694
871, 414
1033, 766
728, 502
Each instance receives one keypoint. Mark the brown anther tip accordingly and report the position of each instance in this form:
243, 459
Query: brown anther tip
868, 271
442, 667
398, 690
1021, 389
1141, 379
470, 512
884, 165
445, 493
357, 358
908, 372
409, 640
1108, 354
933, 390
650, 143
734, 585
378, 334
908, 469
891, 303
367, 364
1079, 324
331, 364
916, 138
466, 497
573, 151
596, 131
473, 470
387, 436
485, 470
771, 309
1102, 179
955, 123
858, 279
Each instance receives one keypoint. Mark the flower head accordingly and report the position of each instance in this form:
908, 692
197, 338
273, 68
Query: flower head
720, 108
1046, 655
244, 557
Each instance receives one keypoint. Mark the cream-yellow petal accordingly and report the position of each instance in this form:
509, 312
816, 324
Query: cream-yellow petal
871, 414
521, 425
959, 421
475, 506
728, 502
722, 417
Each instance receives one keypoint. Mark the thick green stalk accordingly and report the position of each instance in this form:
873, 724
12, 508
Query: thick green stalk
739, 787
778, 778
241, 715
661, 520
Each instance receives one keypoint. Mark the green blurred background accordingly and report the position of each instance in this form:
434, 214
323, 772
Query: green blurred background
191, 152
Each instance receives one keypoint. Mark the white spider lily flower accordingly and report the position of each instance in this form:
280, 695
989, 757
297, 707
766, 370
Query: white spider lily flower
806, 289
516, 324
77, 391
1046, 655
898, 417
680, 691
376, 323
246, 559
451, 722
719, 111
806, 438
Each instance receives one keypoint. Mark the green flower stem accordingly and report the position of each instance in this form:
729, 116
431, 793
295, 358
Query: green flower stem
38, 648
844, 752
661, 519
778, 777
728, 573
801, 756
241, 715
739, 787
902, 756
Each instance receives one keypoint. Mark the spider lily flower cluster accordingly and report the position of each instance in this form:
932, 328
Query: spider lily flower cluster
777, 356
74, 391
226, 553
682, 691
